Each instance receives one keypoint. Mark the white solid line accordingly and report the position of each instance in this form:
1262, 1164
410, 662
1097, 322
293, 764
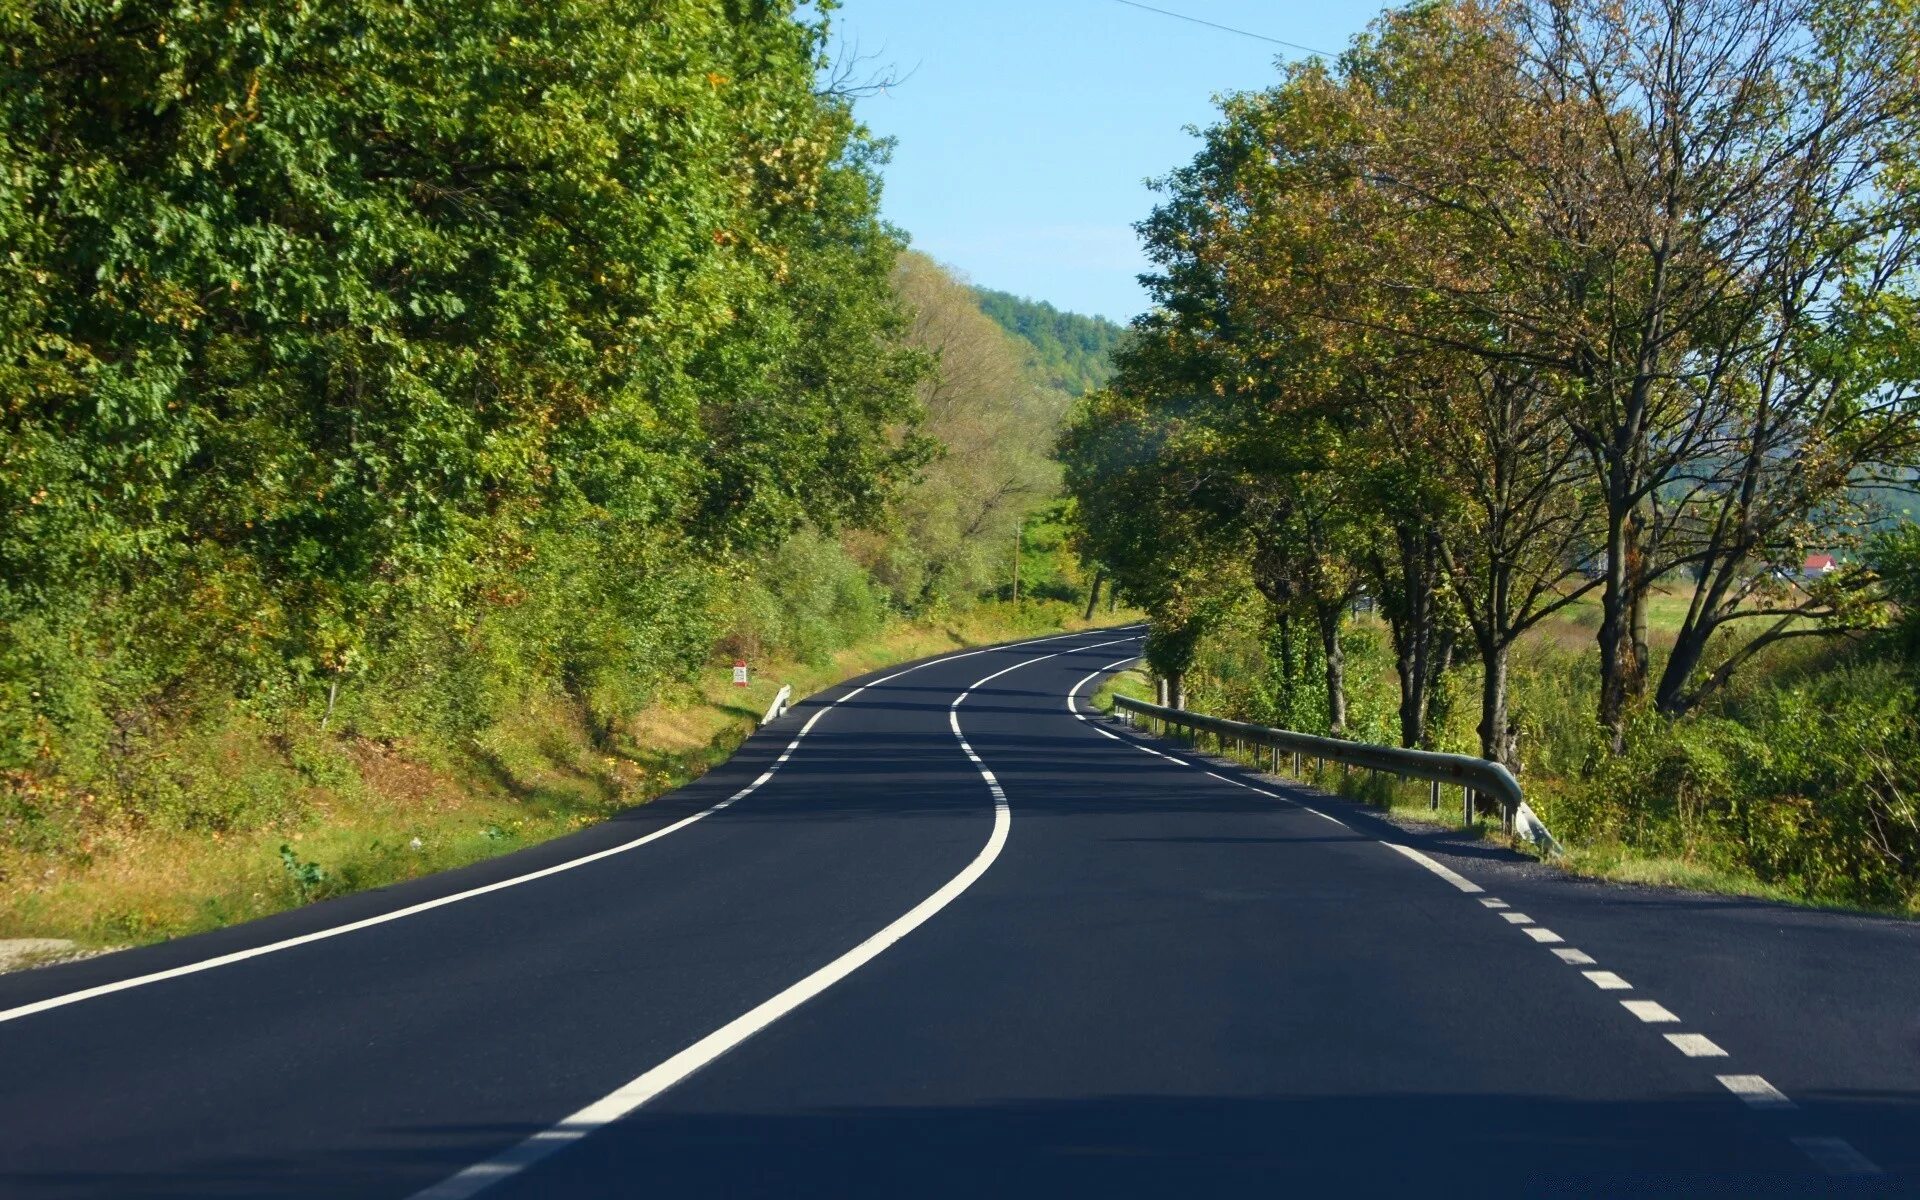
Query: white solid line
1516, 918
1452, 877
1755, 1090
1695, 1045
1491, 903
1835, 1156
1651, 1011
1607, 981
1075, 689
1579, 958
1540, 935
644, 1087
222, 960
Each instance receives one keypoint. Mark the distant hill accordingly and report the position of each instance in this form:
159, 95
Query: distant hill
1070, 352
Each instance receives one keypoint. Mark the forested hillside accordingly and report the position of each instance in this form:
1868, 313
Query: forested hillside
388, 392
1071, 352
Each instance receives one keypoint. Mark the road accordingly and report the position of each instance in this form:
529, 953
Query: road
934, 933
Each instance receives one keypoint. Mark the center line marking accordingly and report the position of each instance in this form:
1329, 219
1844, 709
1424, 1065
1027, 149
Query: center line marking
1516, 918
1579, 958
1607, 981
1540, 935
650, 1084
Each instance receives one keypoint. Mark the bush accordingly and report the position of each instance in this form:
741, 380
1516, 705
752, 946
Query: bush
1809, 786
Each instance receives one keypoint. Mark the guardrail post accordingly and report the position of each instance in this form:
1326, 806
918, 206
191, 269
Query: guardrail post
1466, 805
1433, 800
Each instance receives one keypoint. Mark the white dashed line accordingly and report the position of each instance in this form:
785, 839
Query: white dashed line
1835, 1156
1695, 1045
1755, 1090
1650, 1011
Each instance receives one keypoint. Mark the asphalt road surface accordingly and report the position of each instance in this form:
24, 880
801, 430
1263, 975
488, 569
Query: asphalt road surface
937, 934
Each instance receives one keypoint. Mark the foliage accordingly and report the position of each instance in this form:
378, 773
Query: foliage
1895, 554
361, 346
1808, 785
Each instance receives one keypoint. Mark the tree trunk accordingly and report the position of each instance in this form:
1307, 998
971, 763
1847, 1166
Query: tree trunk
1093, 596
1439, 663
1413, 694
1289, 667
1329, 618
1496, 729
1688, 650
1616, 632
1177, 690
1637, 589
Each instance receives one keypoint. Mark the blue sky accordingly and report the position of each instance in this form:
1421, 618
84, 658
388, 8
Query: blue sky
1026, 130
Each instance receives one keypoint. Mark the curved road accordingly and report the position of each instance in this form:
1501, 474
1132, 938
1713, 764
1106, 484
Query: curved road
937, 933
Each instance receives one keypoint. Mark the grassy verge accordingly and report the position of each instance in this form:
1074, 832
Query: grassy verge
1621, 865
375, 813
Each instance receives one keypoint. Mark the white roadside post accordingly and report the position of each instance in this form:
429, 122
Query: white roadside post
778, 708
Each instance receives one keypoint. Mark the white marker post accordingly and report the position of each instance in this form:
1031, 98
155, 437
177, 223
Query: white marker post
740, 672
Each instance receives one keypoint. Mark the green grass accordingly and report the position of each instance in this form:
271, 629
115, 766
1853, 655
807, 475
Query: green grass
1132, 683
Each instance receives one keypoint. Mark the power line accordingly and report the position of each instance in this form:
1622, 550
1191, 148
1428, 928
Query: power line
1226, 28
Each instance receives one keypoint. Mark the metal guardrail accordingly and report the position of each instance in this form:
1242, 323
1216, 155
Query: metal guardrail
1472, 774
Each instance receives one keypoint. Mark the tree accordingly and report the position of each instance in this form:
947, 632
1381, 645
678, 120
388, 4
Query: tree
1689, 198
355, 315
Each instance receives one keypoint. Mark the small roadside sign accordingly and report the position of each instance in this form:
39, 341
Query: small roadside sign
739, 672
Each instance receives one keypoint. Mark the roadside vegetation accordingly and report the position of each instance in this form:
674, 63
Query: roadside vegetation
1511, 380
407, 417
